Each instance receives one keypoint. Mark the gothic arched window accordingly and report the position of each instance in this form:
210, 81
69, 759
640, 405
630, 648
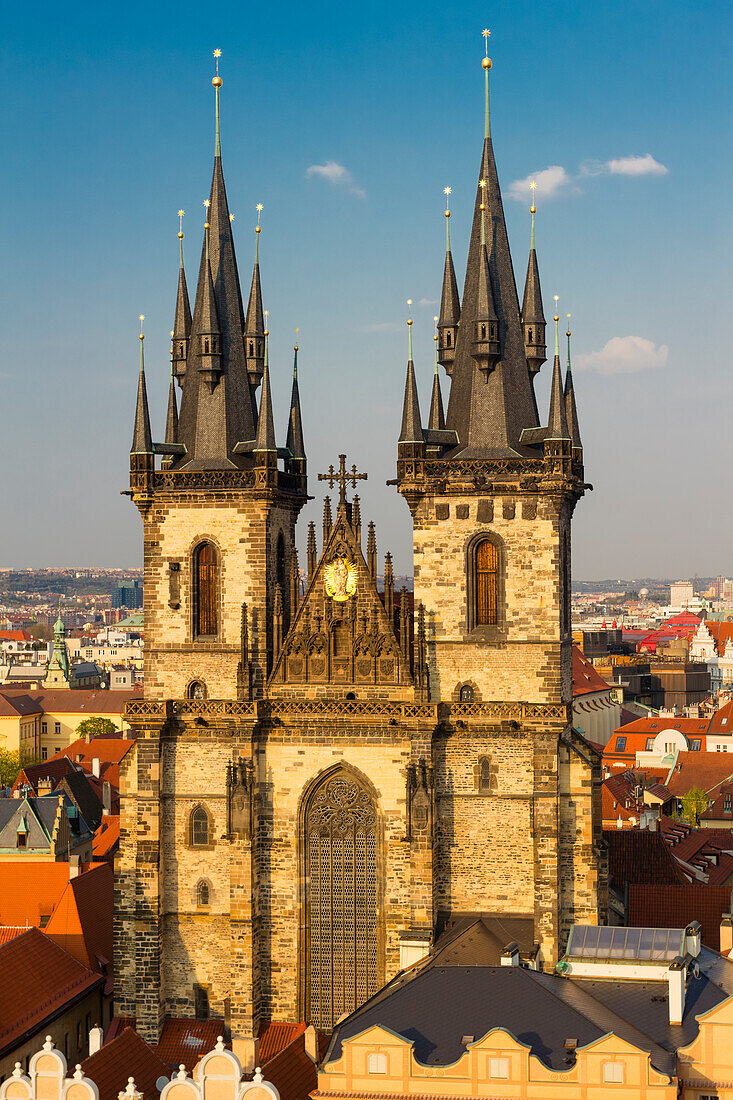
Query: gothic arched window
206, 590
196, 690
203, 893
487, 584
485, 779
466, 694
199, 828
341, 940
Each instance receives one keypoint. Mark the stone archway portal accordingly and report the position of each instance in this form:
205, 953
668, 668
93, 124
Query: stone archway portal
341, 856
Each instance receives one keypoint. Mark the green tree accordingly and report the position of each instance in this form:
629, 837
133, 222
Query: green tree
96, 727
11, 761
693, 804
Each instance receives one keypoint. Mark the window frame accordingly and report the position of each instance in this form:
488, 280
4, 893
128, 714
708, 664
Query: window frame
192, 842
204, 543
496, 1063
617, 1067
486, 631
380, 1058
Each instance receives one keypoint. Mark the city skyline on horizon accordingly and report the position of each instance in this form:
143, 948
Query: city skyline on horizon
354, 308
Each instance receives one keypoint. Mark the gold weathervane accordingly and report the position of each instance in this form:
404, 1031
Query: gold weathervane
217, 81
486, 61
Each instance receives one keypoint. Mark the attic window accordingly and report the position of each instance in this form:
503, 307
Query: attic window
727, 804
620, 744
499, 1068
724, 721
22, 839
649, 744
695, 744
376, 1063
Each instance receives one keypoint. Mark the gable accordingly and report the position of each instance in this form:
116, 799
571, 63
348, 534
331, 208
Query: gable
341, 635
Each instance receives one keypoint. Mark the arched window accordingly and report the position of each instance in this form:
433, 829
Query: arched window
341, 940
206, 590
485, 778
487, 584
483, 332
448, 338
199, 828
196, 690
466, 694
530, 336
203, 893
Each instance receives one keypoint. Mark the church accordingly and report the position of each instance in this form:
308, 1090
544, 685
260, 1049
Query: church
330, 773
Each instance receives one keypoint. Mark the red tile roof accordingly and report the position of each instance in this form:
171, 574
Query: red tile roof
186, 1041
81, 923
125, 1056
721, 632
14, 704
706, 770
79, 700
722, 721
292, 1072
275, 1036
585, 677
53, 770
37, 980
8, 934
106, 838
665, 906
108, 750
640, 856
15, 636
31, 889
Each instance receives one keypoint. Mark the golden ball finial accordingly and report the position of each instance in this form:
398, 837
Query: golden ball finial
206, 225
556, 317
486, 62
447, 213
258, 229
533, 209
180, 236
217, 81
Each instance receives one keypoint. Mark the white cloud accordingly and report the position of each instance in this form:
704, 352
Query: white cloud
425, 302
636, 166
624, 355
556, 180
338, 175
550, 182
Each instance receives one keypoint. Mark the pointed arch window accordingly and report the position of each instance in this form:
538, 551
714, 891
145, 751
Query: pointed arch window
487, 584
206, 591
203, 893
199, 828
341, 943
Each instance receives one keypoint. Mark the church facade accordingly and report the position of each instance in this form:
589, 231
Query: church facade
329, 772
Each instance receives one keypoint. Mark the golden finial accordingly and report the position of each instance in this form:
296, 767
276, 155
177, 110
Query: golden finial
296, 339
568, 333
409, 311
557, 315
217, 81
482, 185
486, 62
142, 318
180, 224
447, 191
435, 327
267, 327
533, 188
231, 217
258, 227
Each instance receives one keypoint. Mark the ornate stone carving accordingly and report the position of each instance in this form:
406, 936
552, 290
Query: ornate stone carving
240, 798
342, 806
420, 797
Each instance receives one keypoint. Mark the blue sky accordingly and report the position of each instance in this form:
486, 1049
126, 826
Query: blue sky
108, 129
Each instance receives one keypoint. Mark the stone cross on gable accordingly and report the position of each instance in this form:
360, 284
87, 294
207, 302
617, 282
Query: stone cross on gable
343, 477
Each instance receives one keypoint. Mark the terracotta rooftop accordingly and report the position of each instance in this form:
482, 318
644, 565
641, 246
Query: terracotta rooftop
654, 905
722, 721
108, 750
125, 1056
640, 856
31, 889
106, 838
14, 704
292, 1071
585, 677
81, 922
184, 1042
706, 770
275, 1036
78, 700
8, 934
37, 979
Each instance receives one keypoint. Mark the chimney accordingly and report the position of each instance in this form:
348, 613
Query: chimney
310, 1041
106, 798
676, 982
74, 867
692, 939
726, 933
96, 1037
95, 767
510, 955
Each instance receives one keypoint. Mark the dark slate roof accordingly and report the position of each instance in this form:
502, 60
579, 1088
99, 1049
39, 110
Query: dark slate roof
142, 438
490, 414
411, 424
637, 855
212, 423
450, 303
571, 410
171, 419
294, 441
182, 319
82, 793
532, 303
436, 420
557, 422
472, 939
674, 906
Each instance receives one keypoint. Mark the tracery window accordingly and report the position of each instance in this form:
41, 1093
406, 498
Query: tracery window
196, 690
342, 968
466, 694
199, 831
206, 590
487, 583
203, 893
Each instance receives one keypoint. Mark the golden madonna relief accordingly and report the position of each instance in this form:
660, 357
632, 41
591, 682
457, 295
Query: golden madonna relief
340, 579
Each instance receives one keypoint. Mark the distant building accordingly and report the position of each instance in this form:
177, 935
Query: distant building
45, 828
128, 594
45, 731
681, 594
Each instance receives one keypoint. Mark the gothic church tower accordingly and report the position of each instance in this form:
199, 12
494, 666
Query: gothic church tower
329, 773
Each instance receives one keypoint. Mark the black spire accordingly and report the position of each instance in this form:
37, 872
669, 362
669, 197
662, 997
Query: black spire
450, 302
557, 422
209, 333
436, 420
533, 317
486, 347
182, 319
254, 327
489, 413
142, 438
265, 438
171, 420
411, 423
571, 411
216, 407
294, 442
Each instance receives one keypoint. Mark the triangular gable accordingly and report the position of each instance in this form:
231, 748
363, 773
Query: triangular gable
347, 642
375, 1035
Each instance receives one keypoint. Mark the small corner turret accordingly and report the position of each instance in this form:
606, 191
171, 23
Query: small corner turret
450, 302
533, 317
